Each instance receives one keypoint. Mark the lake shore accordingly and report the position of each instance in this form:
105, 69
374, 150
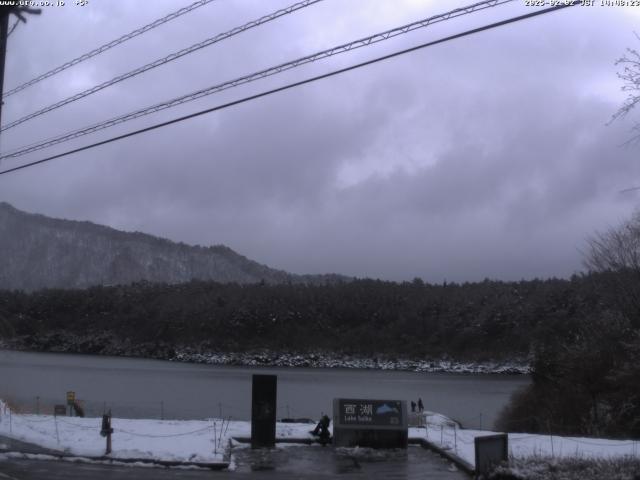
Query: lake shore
333, 360
107, 345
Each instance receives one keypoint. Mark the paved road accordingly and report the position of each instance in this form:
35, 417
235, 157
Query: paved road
59, 470
286, 463
10, 445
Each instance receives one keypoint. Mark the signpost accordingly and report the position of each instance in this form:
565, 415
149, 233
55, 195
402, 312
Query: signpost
107, 430
71, 398
370, 423
370, 412
59, 410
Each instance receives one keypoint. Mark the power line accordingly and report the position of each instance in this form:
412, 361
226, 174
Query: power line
169, 58
363, 42
295, 84
107, 46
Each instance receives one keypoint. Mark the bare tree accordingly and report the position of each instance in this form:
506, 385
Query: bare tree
630, 76
617, 249
615, 255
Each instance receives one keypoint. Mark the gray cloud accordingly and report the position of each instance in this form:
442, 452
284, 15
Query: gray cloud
484, 157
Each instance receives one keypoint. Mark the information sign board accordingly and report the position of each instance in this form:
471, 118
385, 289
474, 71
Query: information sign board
370, 412
59, 410
370, 423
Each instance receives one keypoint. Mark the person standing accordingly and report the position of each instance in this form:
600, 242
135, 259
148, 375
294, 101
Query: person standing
420, 405
413, 406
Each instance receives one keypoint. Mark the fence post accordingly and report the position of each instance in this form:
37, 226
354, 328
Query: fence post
220, 436
215, 437
455, 438
107, 430
227, 427
55, 421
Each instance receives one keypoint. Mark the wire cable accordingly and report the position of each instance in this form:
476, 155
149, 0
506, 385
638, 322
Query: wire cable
82, 427
366, 41
108, 46
161, 61
600, 444
169, 435
293, 85
31, 420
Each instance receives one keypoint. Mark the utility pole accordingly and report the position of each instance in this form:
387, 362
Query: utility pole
5, 12
4, 30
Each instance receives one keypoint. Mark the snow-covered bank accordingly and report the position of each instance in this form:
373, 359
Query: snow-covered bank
193, 441
208, 441
332, 360
447, 435
107, 344
545, 468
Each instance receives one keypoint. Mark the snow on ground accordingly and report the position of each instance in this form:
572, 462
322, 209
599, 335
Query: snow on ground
199, 441
446, 434
207, 441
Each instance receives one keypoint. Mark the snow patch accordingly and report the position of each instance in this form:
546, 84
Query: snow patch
209, 441
194, 441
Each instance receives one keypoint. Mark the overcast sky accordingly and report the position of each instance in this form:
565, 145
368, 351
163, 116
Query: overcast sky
487, 156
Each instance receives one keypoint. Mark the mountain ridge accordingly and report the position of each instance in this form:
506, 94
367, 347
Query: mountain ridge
37, 251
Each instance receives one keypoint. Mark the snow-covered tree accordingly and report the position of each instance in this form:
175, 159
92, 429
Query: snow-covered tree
630, 76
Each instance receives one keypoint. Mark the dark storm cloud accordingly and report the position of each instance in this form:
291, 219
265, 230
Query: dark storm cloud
484, 157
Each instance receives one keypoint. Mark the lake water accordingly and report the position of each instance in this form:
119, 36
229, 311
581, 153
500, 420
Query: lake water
140, 388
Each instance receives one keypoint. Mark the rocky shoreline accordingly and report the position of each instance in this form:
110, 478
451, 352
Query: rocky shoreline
107, 344
333, 360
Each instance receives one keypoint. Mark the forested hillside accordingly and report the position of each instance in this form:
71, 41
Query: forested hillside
41, 252
472, 321
579, 335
